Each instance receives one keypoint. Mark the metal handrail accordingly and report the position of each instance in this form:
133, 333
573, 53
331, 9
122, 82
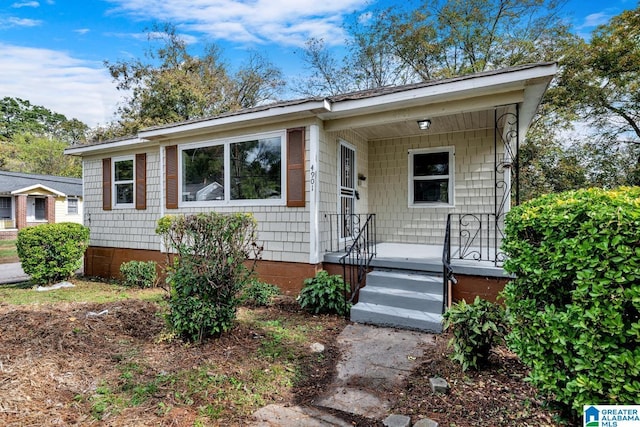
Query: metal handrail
359, 256
447, 274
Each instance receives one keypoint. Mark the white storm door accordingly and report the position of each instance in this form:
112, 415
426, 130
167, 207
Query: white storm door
347, 189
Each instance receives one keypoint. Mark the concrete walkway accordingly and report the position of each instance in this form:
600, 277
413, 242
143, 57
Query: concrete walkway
12, 273
374, 361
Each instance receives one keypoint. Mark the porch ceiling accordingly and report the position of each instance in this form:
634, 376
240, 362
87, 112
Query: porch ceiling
464, 121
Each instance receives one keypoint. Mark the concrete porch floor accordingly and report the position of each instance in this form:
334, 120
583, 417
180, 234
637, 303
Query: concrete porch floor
418, 257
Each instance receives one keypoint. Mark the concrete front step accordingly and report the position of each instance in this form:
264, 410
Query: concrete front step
384, 315
410, 281
402, 298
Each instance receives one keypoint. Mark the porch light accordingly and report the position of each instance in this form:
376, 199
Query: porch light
424, 124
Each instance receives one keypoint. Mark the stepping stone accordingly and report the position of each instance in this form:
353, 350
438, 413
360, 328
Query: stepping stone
299, 416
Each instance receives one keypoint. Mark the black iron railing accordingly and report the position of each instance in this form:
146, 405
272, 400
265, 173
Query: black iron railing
476, 236
359, 253
447, 273
344, 229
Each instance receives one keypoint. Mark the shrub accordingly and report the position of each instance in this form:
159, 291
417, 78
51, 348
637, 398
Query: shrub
574, 306
50, 253
208, 271
325, 294
139, 274
476, 328
259, 294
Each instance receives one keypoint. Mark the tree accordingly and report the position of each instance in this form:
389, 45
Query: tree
600, 80
38, 155
172, 85
441, 39
19, 116
33, 139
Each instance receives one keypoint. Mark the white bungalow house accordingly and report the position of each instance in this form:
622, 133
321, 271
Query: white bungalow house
404, 179
31, 199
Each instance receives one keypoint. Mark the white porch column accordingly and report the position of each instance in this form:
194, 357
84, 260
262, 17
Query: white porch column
314, 195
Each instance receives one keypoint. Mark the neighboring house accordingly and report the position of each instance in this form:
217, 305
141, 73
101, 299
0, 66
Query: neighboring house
29, 199
311, 171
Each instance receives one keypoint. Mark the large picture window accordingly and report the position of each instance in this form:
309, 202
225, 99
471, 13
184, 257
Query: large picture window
123, 181
431, 173
246, 169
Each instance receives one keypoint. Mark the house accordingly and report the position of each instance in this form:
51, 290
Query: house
388, 185
29, 199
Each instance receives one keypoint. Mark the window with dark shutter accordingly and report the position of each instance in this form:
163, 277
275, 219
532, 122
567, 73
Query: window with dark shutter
171, 174
295, 168
106, 184
141, 181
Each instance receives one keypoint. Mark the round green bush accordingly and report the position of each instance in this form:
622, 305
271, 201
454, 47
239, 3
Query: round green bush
574, 306
50, 253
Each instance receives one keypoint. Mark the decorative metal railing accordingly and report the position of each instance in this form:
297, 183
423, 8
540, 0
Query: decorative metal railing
476, 236
344, 230
360, 251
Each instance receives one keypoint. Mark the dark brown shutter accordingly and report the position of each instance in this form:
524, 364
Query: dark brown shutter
141, 181
172, 176
295, 167
106, 184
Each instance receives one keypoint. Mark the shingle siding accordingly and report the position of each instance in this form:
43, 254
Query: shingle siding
389, 180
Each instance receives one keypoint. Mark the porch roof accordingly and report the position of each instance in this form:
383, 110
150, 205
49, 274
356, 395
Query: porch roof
382, 112
12, 183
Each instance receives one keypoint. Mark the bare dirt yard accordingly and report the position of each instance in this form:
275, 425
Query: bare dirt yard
114, 364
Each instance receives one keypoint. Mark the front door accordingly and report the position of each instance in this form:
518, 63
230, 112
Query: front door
347, 189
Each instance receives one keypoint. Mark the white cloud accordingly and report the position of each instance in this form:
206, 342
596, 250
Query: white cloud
12, 21
285, 22
18, 5
595, 19
76, 88
82, 31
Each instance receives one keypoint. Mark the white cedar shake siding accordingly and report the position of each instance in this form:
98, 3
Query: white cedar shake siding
282, 230
122, 228
388, 184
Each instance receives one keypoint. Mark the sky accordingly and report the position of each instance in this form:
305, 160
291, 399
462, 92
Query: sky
52, 52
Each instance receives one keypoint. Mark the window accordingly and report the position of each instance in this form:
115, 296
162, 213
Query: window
239, 170
72, 206
123, 181
39, 209
256, 169
5, 208
431, 173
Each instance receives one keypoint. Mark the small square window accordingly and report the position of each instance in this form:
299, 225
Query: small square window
431, 173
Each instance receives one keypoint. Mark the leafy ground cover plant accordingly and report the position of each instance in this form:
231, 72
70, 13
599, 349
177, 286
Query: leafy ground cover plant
50, 253
574, 308
139, 274
208, 271
477, 327
325, 293
259, 294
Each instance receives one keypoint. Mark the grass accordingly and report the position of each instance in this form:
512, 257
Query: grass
8, 251
84, 291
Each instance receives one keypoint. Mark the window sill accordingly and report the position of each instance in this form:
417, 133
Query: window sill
432, 206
